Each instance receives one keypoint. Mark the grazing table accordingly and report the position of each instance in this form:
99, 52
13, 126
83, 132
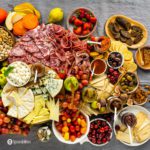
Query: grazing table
136, 9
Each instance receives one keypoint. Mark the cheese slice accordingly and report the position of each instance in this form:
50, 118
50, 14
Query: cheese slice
22, 112
140, 119
54, 86
123, 136
13, 111
98, 79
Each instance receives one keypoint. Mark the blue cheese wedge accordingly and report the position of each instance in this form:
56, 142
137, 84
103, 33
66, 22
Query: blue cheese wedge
54, 86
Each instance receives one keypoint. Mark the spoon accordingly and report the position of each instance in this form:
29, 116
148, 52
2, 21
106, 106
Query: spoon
35, 77
141, 58
93, 42
115, 114
92, 72
130, 134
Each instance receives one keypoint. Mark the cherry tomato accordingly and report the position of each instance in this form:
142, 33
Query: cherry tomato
2, 116
16, 127
4, 131
6, 119
72, 129
1, 121
1, 103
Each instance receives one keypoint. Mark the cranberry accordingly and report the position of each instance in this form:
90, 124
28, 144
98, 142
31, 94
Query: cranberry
99, 141
93, 140
104, 140
96, 126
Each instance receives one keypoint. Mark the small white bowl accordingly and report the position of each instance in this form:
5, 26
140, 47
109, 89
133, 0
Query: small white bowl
16, 85
78, 140
99, 145
121, 62
103, 71
131, 109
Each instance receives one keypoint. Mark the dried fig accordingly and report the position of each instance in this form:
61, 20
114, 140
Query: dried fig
125, 34
116, 27
124, 23
136, 28
138, 38
129, 42
123, 39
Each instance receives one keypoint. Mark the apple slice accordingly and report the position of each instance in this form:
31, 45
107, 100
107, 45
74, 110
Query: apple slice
17, 17
8, 21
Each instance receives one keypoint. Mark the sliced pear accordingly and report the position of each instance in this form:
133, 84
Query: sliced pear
8, 21
18, 16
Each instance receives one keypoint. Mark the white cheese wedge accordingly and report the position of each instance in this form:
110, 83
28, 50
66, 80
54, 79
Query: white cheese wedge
13, 111
54, 86
19, 100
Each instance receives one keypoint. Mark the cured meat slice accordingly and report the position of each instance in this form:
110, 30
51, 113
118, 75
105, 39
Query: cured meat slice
17, 51
53, 46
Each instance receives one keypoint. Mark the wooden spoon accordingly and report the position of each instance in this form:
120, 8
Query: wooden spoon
141, 58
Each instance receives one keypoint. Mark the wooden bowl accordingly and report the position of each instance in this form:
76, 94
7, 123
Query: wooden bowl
70, 26
12, 36
138, 61
133, 22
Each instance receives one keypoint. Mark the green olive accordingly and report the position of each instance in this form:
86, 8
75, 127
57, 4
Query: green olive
129, 78
123, 79
131, 88
124, 87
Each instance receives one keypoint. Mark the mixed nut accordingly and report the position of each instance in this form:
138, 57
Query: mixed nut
123, 31
6, 43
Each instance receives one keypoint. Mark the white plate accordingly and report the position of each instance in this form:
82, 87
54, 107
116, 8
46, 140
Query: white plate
132, 109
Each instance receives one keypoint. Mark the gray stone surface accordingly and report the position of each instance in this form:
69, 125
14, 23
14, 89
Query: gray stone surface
136, 9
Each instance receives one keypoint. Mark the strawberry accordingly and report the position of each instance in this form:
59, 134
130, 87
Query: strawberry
93, 20
85, 32
78, 22
81, 15
82, 11
86, 26
72, 19
88, 16
77, 30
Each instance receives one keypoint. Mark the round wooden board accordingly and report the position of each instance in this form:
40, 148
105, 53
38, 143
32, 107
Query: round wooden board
133, 22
